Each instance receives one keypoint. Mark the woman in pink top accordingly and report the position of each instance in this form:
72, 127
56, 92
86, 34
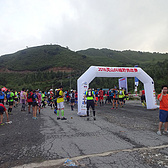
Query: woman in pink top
23, 98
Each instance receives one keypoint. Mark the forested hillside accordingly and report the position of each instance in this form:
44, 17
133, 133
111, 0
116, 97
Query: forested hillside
51, 65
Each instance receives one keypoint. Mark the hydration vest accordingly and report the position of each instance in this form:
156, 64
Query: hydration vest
89, 95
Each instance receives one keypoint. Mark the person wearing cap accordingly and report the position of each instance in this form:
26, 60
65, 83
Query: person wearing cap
51, 98
60, 103
72, 99
90, 96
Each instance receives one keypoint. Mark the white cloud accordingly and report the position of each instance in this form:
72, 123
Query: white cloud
115, 24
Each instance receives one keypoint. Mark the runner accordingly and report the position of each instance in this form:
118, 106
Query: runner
2, 96
115, 98
76, 97
143, 101
39, 101
108, 97
121, 97
96, 95
16, 102
60, 103
43, 99
67, 96
111, 94
51, 98
7, 96
100, 94
72, 99
2, 109
23, 99
34, 104
10, 101
90, 96
29, 100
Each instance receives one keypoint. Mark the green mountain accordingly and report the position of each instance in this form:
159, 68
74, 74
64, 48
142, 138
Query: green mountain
51, 65
42, 58
123, 58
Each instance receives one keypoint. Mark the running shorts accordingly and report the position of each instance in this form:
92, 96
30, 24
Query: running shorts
121, 99
30, 103
72, 100
163, 116
60, 105
34, 104
101, 98
1, 110
11, 103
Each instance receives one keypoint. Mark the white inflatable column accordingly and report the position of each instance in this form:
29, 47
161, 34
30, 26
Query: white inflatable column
150, 95
149, 89
82, 86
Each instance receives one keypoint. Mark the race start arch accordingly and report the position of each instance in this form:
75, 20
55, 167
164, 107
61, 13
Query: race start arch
99, 71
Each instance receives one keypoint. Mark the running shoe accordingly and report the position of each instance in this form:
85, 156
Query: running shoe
94, 118
1, 123
165, 132
159, 133
10, 122
58, 118
63, 118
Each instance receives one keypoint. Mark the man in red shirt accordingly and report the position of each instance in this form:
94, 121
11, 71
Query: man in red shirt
2, 109
142, 94
163, 113
100, 95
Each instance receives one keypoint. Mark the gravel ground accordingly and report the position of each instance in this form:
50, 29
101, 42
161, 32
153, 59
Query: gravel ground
20, 141
133, 127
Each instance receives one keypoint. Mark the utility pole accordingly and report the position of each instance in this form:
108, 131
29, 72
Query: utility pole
70, 81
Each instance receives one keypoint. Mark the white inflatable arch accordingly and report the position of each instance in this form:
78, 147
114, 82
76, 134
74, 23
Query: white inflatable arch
99, 71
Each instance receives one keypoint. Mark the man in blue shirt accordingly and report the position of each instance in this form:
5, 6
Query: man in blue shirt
2, 96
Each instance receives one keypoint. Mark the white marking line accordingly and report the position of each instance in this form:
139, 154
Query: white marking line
61, 161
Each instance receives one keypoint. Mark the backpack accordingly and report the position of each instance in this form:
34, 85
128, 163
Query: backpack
73, 95
8, 95
33, 97
89, 94
120, 92
57, 94
29, 96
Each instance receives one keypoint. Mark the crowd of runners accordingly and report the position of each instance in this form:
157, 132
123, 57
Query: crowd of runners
33, 101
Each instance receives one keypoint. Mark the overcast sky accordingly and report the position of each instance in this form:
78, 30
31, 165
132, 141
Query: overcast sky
140, 25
